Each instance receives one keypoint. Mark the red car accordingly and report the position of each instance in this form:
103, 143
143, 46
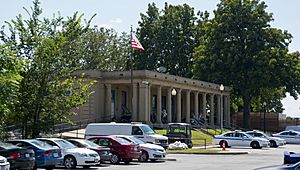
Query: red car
121, 149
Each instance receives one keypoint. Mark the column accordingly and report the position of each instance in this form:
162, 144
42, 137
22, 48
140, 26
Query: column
158, 113
107, 102
212, 110
178, 105
119, 103
219, 110
143, 99
134, 102
196, 104
204, 111
228, 111
149, 104
169, 104
188, 106
100, 104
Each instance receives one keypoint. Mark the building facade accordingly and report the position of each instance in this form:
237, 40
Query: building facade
154, 98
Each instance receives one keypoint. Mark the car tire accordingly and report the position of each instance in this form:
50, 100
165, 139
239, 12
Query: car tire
70, 162
144, 157
127, 161
115, 158
273, 144
255, 145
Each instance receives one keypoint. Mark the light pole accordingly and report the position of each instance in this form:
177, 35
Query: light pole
264, 103
221, 114
173, 93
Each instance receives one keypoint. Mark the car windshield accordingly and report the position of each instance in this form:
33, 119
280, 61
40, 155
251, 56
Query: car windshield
136, 140
89, 143
122, 140
41, 144
147, 129
8, 146
65, 144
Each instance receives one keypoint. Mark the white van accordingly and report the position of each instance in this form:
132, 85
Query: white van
139, 130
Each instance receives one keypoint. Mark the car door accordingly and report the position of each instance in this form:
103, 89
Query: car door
239, 139
138, 133
285, 135
294, 137
230, 138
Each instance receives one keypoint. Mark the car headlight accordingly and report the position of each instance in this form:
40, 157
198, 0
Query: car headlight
83, 154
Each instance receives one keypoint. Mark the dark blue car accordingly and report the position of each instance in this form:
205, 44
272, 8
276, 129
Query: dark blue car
46, 156
18, 157
291, 157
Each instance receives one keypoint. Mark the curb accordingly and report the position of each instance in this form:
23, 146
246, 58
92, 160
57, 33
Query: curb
217, 153
168, 159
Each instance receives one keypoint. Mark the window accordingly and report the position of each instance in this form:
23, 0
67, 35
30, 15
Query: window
136, 131
104, 142
229, 135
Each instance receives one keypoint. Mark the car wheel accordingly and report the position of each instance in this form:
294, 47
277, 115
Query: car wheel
127, 161
115, 159
70, 162
144, 157
273, 144
255, 145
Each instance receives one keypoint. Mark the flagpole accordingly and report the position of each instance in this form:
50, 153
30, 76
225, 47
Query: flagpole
131, 78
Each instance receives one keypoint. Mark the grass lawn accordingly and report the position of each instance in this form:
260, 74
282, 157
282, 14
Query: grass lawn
197, 137
193, 151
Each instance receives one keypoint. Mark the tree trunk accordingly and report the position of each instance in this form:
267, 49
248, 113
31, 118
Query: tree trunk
246, 111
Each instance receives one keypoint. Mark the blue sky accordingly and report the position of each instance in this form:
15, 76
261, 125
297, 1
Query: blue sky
121, 14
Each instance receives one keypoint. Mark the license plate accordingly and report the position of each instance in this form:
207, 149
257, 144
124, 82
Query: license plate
55, 155
27, 155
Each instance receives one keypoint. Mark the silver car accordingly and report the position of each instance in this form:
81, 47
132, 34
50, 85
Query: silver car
274, 141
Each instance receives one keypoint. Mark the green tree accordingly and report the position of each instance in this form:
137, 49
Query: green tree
10, 69
48, 91
240, 49
104, 50
168, 39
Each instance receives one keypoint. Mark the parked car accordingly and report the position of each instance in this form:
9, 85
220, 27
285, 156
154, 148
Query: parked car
149, 151
239, 138
289, 136
4, 164
274, 141
295, 128
46, 156
295, 166
72, 155
121, 149
18, 157
103, 151
291, 157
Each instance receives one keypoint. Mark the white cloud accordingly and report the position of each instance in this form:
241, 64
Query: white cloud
117, 20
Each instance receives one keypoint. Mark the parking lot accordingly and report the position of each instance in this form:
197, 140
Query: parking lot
254, 159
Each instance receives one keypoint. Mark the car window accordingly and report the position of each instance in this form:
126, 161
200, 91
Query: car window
258, 135
4, 146
239, 135
23, 144
41, 144
76, 143
284, 133
136, 131
122, 140
293, 134
65, 144
104, 142
89, 143
229, 134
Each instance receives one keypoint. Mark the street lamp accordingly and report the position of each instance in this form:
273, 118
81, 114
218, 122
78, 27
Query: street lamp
264, 103
221, 114
173, 92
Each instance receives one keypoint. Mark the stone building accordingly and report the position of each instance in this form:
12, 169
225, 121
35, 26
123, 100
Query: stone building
153, 97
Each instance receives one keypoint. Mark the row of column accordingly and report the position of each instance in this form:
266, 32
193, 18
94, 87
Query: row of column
140, 104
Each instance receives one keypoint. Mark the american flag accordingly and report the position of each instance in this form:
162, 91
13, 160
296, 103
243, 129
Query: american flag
135, 43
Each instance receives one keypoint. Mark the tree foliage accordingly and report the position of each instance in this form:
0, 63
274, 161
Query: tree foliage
47, 90
240, 49
168, 38
102, 49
